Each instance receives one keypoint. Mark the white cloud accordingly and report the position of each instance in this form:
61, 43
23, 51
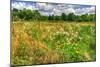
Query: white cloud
66, 11
89, 10
42, 4
29, 7
22, 5
56, 9
46, 13
92, 10
18, 5
49, 7
70, 6
70, 10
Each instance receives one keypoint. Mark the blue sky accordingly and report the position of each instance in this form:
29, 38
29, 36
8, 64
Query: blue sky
54, 8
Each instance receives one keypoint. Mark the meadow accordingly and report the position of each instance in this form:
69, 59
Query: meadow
53, 42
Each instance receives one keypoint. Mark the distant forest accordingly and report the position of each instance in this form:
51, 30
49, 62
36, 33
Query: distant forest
34, 15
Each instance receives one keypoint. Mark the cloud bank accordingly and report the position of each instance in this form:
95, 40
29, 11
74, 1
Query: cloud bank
55, 8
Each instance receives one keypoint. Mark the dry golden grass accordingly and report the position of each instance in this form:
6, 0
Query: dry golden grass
30, 43
19, 34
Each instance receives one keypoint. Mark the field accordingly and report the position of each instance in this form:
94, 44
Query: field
53, 42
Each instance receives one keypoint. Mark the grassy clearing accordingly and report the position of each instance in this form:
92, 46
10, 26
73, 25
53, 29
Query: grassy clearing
43, 43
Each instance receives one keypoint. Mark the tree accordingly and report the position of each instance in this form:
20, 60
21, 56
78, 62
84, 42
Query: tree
51, 17
64, 17
92, 17
34, 15
84, 17
43, 18
15, 14
57, 18
28, 15
71, 17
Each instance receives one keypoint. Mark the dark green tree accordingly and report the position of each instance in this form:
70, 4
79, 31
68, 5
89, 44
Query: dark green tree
64, 17
34, 15
71, 17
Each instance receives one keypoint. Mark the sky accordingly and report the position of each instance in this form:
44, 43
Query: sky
54, 8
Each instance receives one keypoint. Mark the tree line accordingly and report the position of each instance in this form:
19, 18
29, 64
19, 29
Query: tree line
34, 15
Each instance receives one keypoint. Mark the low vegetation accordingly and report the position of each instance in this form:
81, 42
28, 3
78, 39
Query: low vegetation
35, 15
57, 42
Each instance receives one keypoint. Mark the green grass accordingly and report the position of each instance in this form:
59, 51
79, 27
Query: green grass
45, 42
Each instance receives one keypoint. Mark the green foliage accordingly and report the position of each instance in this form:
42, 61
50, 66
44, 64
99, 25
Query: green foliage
53, 42
22, 54
34, 15
67, 42
36, 34
64, 17
51, 17
71, 17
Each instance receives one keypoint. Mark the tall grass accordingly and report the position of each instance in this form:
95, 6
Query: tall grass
45, 42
